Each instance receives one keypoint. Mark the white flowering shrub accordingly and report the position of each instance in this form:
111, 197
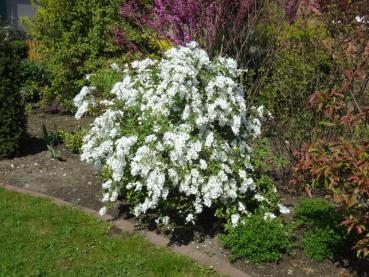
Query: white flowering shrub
174, 139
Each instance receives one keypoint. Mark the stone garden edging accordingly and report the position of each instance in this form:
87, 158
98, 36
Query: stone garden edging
187, 250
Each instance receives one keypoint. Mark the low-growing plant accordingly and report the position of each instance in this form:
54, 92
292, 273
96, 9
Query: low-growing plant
323, 243
323, 237
173, 138
258, 240
314, 212
73, 140
52, 140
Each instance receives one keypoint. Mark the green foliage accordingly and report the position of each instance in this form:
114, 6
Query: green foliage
104, 80
299, 65
39, 238
314, 212
322, 243
73, 140
74, 39
323, 237
12, 115
33, 78
267, 159
258, 240
20, 48
52, 140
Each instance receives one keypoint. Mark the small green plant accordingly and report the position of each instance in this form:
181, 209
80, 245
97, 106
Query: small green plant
28, 109
313, 212
52, 140
55, 153
258, 240
322, 243
73, 140
323, 237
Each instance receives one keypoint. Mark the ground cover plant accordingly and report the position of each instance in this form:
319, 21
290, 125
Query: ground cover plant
323, 236
73, 140
258, 240
40, 238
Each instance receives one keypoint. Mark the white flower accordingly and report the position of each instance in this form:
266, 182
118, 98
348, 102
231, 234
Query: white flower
203, 164
165, 220
259, 197
115, 67
114, 196
236, 125
209, 140
269, 216
175, 126
107, 185
241, 207
103, 211
190, 218
283, 209
361, 19
105, 198
83, 101
234, 219
248, 184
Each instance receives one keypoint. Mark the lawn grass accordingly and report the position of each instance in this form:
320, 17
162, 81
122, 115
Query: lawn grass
39, 238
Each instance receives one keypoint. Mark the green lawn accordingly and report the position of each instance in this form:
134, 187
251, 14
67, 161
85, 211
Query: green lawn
39, 238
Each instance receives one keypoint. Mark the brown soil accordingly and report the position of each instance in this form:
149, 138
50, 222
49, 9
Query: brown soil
77, 182
35, 169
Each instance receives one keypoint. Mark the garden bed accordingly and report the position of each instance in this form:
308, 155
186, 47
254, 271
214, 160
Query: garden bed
78, 183
36, 170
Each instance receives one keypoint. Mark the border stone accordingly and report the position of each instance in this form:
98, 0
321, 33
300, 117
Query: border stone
187, 250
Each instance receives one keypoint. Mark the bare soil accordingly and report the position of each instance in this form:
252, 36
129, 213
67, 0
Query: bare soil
36, 170
77, 182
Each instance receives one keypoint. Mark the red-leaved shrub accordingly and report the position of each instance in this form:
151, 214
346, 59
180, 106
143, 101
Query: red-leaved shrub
339, 162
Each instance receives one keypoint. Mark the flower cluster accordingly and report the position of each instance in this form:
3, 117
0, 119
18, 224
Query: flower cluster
175, 136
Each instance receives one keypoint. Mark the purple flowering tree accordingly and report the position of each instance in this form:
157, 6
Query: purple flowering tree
220, 26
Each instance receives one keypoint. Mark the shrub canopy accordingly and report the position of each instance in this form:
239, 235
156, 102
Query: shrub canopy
175, 137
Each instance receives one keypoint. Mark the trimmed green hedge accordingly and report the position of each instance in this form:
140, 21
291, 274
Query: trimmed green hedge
12, 116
